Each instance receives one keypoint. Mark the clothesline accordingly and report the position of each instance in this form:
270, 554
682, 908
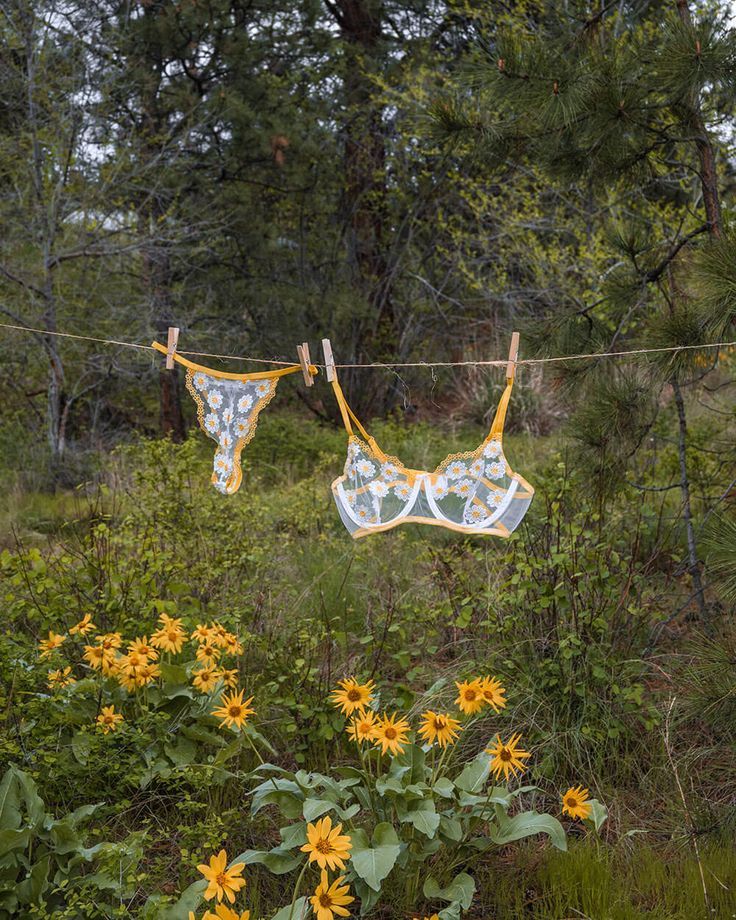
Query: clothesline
526, 362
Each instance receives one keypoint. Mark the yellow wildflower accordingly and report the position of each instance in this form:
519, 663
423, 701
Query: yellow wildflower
108, 720
47, 646
390, 734
223, 882
362, 727
351, 696
84, 626
206, 679
143, 647
575, 803
470, 696
230, 677
326, 845
207, 653
493, 693
328, 901
234, 712
507, 758
169, 639
440, 727
202, 633
223, 912
60, 678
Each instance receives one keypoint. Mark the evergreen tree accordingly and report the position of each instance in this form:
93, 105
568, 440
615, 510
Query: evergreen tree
630, 101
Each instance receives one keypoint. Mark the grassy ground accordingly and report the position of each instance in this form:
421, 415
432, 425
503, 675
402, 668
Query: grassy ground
566, 613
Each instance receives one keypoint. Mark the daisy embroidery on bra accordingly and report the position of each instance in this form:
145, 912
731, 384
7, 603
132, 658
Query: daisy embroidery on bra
474, 492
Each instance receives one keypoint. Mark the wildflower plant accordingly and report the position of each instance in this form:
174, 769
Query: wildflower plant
406, 822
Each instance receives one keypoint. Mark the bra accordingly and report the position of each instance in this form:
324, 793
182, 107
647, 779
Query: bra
475, 492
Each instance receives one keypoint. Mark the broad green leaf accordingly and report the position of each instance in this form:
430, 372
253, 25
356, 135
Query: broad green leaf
372, 861
315, 808
451, 828
10, 816
182, 753
30, 798
424, 817
475, 774
293, 835
528, 824
278, 861
368, 897
415, 759
190, 899
30, 889
14, 838
301, 911
81, 745
598, 814
453, 911
444, 787
460, 889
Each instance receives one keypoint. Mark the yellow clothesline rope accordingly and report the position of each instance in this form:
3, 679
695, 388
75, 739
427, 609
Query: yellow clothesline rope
499, 363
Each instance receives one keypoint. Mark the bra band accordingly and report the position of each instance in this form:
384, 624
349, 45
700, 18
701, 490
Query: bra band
260, 375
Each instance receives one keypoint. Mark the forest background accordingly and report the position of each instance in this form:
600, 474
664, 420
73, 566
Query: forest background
413, 180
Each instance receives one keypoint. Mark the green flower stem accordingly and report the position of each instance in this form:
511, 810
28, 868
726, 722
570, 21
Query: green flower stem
255, 749
296, 888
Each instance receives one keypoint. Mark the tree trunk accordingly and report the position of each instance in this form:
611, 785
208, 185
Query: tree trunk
364, 198
704, 146
155, 254
692, 551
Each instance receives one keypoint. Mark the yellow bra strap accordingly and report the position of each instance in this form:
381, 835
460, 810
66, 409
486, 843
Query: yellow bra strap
500, 416
347, 413
261, 375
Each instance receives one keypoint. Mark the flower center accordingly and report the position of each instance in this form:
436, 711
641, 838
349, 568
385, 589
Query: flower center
470, 695
222, 879
353, 694
323, 846
325, 900
505, 754
173, 635
439, 724
234, 711
572, 802
390, 733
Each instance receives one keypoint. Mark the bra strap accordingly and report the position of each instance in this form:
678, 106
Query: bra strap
347, 413
500, 416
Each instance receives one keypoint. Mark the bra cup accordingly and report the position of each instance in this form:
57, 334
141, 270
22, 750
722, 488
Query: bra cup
373, 491
473, 487
474, 492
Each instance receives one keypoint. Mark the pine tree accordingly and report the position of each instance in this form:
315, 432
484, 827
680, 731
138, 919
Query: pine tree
630, 102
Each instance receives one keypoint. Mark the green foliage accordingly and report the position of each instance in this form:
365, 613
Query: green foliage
408, 822
44, 862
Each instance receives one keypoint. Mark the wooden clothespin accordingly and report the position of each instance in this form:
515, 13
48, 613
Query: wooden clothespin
304, 359
513, 356
171, 346
329, 360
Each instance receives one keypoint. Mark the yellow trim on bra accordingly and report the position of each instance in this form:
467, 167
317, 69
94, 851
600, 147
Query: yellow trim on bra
260, 375
498, 530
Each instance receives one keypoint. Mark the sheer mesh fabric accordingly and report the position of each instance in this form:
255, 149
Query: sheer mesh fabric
473, 492
228, 406
228, 411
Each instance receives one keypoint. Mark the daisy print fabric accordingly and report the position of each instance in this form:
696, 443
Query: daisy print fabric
474, 492
228, 410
